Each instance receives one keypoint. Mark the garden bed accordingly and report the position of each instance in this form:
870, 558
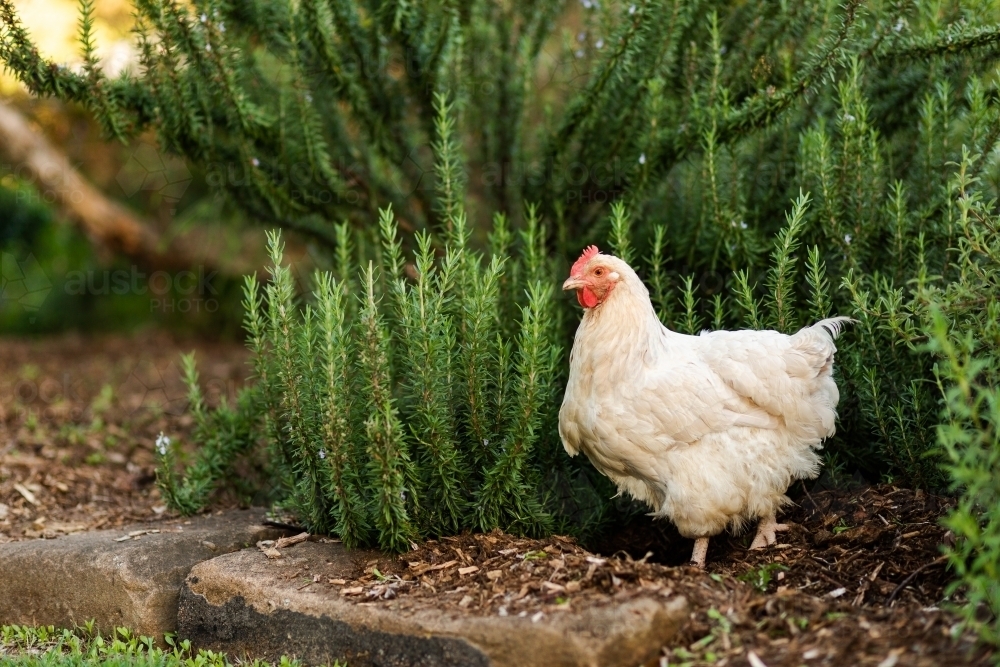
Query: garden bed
856, 580
78, 420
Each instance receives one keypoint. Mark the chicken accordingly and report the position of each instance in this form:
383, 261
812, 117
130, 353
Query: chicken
708, 431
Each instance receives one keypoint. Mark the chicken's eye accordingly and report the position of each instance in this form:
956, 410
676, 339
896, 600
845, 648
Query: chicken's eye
598, 272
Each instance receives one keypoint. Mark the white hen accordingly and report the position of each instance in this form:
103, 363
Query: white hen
707, 430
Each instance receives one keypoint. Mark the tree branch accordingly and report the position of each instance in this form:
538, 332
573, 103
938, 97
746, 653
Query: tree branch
104, 220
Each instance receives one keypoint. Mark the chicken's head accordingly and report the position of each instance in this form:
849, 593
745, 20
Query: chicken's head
593, 276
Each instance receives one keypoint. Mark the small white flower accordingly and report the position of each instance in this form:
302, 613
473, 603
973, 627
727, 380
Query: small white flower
580, 37
743, 225
162, 442
722, 50
599, 44
402, 494
309, 98
255, 162
848, 118
847, 239
631, 9
486, 442
222, 27
900, 23
322, 454
208, 47
642, 159
587, 4
579, 53
204, 18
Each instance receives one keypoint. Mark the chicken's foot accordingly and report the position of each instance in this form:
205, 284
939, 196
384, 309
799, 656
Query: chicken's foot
699, 552
765, 532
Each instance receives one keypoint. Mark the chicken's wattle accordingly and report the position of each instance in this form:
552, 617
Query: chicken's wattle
586, 297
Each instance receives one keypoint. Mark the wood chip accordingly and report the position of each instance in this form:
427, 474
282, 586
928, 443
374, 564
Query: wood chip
493, 575
272, 553
553, 587
464, 602
28, 495
289, 541
443, 566
468, 570
338, 582
124, 538
354, 590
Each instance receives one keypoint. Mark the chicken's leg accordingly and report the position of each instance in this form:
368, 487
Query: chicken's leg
765, 532
699, 552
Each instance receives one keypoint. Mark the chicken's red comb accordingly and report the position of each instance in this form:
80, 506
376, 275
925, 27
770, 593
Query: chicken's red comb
588, 254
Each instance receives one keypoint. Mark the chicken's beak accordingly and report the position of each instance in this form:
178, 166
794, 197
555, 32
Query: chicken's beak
573, 283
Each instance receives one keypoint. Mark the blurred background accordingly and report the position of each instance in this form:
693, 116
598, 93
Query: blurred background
59, 273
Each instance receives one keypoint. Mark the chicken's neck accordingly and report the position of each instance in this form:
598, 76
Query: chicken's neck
622, 334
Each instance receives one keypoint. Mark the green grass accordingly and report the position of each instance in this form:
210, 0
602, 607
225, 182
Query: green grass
24, 646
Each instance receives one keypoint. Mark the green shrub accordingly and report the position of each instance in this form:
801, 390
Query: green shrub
412, 414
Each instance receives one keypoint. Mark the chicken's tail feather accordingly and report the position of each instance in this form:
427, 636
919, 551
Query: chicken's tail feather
834, 325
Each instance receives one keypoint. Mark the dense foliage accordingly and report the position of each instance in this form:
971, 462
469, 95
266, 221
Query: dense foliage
761, 164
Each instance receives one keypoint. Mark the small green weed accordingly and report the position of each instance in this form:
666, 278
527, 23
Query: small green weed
760, 578
45, 646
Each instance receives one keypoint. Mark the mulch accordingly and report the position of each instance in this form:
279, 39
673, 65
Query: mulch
857, 580
79, 418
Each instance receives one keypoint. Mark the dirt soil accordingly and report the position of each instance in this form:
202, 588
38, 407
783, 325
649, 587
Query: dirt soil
856, 580
79, 417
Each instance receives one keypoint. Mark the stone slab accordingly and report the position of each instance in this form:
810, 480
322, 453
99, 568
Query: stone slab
248, 606
135, 583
